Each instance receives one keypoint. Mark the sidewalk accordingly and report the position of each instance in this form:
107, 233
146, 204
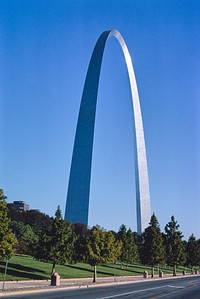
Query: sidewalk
16, 287
70, 282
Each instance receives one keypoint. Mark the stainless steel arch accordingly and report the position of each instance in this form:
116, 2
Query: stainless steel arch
79, 181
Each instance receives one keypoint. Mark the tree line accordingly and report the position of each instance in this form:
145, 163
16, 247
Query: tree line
55, 240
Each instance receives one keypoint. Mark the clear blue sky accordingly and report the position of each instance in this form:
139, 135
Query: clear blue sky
45, 48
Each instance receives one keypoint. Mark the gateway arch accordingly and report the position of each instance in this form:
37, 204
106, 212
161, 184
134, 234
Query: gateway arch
77, 204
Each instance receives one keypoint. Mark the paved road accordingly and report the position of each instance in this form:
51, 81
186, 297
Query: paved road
184, 288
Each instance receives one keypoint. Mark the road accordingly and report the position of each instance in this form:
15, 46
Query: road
184, 288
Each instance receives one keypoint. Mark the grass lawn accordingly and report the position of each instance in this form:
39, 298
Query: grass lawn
25, 268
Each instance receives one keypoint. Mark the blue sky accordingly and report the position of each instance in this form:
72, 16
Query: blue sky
45, 48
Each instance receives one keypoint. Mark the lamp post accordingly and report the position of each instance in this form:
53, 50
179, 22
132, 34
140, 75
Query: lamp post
4, 279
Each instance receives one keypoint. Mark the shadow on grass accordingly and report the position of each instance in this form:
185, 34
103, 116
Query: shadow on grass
79, 268
132, 271
20, 271
91, 270
22, 268
24, 275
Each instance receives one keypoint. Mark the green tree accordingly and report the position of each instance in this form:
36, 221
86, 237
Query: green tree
43, 247
80, 232
7, 239
62, 241
132, 251
129, 252
175, 249
26, 237
193, 252
102, 247
121, 235
37, 220
139, 243
56, 243
153, 248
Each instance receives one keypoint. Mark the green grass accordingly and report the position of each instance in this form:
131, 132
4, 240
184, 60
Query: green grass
25, 268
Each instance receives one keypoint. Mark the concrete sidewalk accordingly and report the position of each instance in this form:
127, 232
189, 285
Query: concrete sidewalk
17, 287
71, 282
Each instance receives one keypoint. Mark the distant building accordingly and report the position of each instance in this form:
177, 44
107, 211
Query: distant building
19, 206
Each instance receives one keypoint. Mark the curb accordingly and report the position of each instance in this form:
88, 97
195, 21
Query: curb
48, 288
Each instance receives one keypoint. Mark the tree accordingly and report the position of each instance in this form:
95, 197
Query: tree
193, 252
174, 245
132, 252
7, 239
121, 235
129, 252
102, 247
62, 241
37, 220
56, 244
43, 247
26, 237
153, 248
139, 243
80, 232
